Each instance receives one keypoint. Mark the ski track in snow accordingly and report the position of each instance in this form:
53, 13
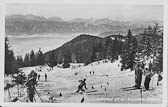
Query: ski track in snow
117, 91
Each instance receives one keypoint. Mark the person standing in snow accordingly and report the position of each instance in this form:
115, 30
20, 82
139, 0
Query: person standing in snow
138, 76
159, 78
38, 76
147, 78
81, 85
45, 77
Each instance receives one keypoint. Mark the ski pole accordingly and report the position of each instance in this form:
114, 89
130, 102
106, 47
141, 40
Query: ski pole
34, 99
9, 95
38, 95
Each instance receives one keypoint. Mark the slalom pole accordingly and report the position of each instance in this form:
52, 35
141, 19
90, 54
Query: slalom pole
141, 94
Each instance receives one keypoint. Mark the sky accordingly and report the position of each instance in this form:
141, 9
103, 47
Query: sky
70, 11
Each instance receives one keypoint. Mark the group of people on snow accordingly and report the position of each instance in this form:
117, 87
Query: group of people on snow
145, 69
92, 72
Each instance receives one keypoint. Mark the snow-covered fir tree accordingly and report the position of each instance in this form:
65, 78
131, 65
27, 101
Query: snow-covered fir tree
150, 48
129, 51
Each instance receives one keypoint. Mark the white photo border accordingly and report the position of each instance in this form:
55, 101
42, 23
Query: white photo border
125, 2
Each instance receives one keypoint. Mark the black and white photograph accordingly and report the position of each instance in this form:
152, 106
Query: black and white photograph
84, 53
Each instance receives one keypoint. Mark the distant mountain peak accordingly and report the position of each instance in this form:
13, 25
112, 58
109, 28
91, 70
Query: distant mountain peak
55, 18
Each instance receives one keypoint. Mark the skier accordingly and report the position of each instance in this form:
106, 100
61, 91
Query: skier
45, 77
30, 84
81, 85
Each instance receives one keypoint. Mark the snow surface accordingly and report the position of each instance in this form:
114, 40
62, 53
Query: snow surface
119, 90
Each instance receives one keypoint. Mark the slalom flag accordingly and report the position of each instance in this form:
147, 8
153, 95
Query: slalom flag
60, 94
82, 100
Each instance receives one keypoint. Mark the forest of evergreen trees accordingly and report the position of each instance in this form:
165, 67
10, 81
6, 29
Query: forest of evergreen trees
12, 63
133, 49
150, 46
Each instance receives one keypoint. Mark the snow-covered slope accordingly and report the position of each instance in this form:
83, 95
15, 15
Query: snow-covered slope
110, 84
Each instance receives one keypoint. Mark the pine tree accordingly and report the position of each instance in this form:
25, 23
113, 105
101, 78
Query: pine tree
9, 59
158, 48
40, 58
26, 60
36, 58
32, 58
129, 52
19, 60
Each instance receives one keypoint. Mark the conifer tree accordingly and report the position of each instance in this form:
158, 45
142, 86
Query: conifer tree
26, 60
129, 51
9, 59
19, 60
32, 58
40, 58
158, 48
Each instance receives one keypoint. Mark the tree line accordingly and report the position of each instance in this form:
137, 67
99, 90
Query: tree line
12, 63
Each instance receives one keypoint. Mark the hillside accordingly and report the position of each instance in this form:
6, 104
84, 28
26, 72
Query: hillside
83, 48
78, 49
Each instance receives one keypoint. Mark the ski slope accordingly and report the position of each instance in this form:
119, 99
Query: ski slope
110, 85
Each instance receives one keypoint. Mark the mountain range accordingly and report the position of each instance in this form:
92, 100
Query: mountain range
31, 24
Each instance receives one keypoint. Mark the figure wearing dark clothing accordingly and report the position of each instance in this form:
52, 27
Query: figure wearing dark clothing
31, 83
31, 92
147, 81
81, 85
39, 77
159, 79
138, 76
45, 77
